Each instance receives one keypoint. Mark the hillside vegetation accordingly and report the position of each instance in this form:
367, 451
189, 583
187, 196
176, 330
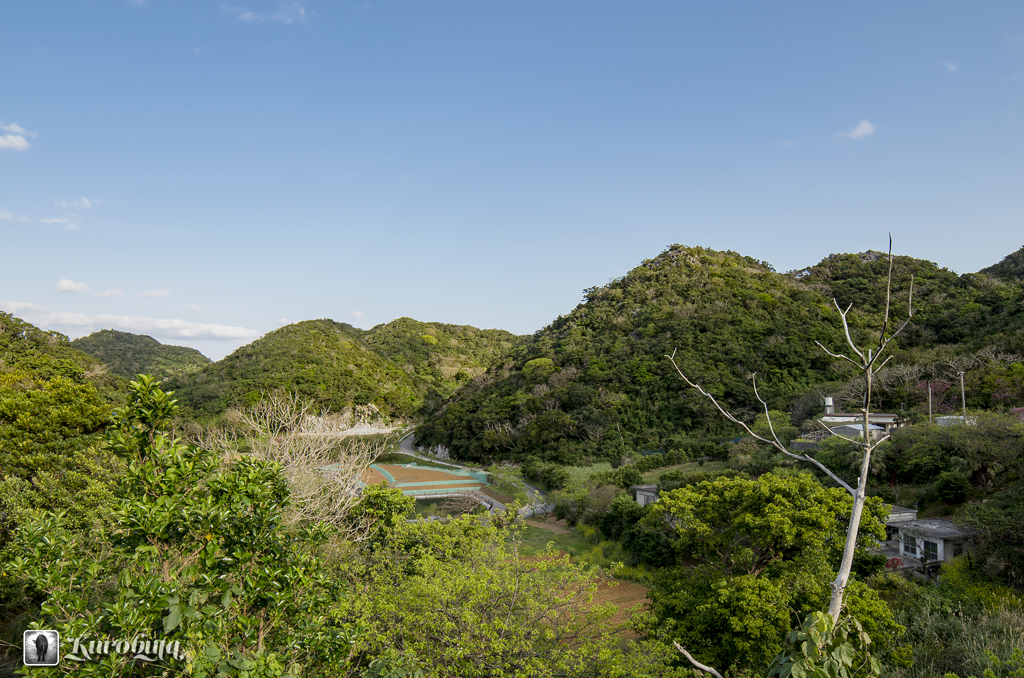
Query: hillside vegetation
394, 367
595, 384
126, 354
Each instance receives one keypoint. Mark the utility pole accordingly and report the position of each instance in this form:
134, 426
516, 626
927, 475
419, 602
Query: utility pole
929, 401
963, 398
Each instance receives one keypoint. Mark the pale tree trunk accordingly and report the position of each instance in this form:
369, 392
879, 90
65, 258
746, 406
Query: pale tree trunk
866, 361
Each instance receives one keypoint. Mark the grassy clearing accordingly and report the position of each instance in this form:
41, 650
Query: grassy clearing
508, 484
579, 475
431, 508
688, 467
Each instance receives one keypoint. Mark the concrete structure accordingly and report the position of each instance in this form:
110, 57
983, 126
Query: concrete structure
932, 540
645, 494
886, 421
856, 431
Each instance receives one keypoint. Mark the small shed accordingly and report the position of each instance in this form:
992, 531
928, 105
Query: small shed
645, 494
932, 539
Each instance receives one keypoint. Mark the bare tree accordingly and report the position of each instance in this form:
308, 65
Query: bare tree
322, 466
868, 362
463, 503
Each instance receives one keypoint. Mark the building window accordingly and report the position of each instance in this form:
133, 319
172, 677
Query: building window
909, 545
931, 550
891, 533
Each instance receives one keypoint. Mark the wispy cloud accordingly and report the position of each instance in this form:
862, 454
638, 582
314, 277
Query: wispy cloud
7, 216
951, 67
80, 205
863, 129
286, 13
15, 128
153, 294
357, 314
65, 285
15, 141
69, 223
194, 307
160, 327
110, 293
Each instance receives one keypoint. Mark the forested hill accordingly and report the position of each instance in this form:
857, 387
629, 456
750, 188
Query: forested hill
127, 354
1010, 269
31, 357
396, 366
595, 383
970, 310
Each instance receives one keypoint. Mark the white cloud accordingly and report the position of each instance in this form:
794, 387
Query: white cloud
13, 141
65, 285
85, 324
69, 223
358, 314
15, 128
81, 204
110, 293
284, 321
194, 307
951, 67
152, 294
863, 129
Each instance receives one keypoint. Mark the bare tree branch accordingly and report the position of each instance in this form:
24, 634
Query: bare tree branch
774, 443
696, 663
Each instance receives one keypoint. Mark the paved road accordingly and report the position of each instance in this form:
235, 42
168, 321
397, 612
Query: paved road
408, 446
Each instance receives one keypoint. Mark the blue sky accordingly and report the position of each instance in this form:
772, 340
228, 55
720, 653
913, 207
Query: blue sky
204, 172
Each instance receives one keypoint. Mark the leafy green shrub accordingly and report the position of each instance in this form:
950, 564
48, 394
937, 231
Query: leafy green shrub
952, 487
962, 583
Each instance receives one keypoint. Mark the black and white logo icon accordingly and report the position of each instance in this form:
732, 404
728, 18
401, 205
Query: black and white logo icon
41, 648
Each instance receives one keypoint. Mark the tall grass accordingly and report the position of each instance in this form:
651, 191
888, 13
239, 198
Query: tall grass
579, 476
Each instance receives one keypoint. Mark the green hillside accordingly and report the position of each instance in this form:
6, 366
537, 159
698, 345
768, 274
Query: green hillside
440, 357
595, 383
1011, 268
326, 361
127, 354
396, 366
31, 355
971, 310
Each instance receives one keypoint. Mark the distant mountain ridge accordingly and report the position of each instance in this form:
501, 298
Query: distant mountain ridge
396, 367
127, 354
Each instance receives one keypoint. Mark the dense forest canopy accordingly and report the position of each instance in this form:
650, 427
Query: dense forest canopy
595, 383
395, 367
127, 354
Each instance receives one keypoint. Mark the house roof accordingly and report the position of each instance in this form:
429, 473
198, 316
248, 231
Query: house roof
935, 528
649, 488
839, 417
860, 427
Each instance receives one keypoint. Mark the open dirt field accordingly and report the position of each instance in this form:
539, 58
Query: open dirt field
623, 594
372, 476
551, 525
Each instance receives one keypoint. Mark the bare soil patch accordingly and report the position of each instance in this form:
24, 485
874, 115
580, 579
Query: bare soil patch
550, 527
622, 594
